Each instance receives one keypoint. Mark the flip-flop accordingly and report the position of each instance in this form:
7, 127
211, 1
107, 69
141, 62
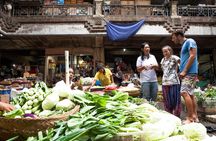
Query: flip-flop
210, 129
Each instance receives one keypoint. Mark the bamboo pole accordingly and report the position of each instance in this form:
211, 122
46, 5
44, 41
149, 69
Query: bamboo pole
67, 67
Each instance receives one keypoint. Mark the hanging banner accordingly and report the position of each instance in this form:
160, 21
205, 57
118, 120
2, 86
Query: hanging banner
120, 32
60, 2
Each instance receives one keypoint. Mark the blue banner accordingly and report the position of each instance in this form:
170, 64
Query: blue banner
60, 2
120, 32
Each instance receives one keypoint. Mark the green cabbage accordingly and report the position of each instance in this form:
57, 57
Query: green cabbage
194, 131
65, 105
50, 102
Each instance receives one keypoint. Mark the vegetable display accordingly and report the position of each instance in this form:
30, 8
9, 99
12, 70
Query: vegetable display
206, 98
43, 102
104, 117
87, 81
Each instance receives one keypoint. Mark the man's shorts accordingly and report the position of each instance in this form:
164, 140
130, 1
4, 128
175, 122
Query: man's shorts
188, 84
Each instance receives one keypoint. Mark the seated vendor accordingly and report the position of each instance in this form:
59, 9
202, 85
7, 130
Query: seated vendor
104, 75
6, 107
74, 81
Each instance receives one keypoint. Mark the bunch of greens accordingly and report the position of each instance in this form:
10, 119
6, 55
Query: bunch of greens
29, 101
100, 118
210, 93
43, 102
103, 117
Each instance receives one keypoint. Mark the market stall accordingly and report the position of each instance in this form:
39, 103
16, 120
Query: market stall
112, 116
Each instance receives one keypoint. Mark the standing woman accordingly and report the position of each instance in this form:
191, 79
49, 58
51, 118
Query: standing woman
146, 65
170, 82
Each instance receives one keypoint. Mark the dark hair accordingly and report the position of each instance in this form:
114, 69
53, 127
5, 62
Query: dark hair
99, 67
142, 53
143, 44
169, 48
178, 32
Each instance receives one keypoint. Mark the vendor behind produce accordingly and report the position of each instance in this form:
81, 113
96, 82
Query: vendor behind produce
74, 81
104, 75
6, 107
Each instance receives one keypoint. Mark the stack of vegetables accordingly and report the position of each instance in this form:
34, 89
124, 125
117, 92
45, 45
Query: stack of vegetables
105, 117
87, 81
207, 97
41, 101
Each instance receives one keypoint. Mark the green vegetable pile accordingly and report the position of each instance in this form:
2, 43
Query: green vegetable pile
29, 101
206, 98
41, 101
210, 93
105, 117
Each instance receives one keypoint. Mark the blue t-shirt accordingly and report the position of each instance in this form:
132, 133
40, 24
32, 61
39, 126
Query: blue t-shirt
185, 54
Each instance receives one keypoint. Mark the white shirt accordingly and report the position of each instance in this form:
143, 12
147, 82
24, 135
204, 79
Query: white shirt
169, 66
148, 75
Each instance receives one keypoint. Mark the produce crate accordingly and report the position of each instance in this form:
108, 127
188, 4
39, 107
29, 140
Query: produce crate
209, 102
130, 91
26, 127
207, 107
211, 118
210, 110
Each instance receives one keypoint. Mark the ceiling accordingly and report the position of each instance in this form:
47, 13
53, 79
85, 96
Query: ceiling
43, 42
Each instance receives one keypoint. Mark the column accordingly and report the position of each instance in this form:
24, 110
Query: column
214, 61
98, 7
46, 69
174, 8
99, 51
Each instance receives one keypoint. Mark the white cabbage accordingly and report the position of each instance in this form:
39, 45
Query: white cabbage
62, 89
194, 131
65, 105
50, 102
158, 131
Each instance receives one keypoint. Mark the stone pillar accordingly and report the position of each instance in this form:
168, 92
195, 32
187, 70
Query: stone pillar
8, 8
174, 8
99, 51
98, 7
214, 61
46, 69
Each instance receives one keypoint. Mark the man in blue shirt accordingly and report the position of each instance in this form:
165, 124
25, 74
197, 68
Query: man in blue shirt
188, 73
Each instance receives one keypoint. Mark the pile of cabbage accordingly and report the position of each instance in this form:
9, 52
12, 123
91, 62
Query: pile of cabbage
105, 118
87, 81
41, 101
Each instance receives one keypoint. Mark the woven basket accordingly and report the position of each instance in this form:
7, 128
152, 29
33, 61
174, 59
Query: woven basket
211, 118
26, 127
206, 110
129, 137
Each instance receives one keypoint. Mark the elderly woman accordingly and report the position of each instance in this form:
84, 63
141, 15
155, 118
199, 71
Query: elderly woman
170, 82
